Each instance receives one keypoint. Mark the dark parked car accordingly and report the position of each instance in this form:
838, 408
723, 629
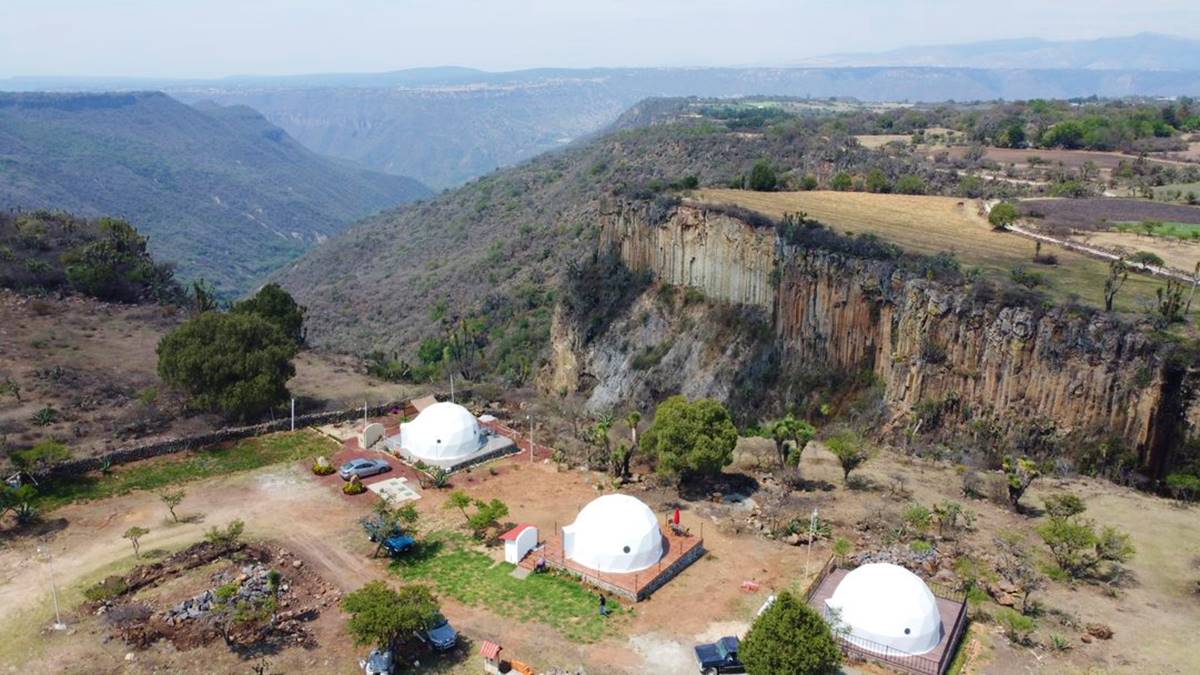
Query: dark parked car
378, 662
398, 543
720, 657
363, 468
442, 635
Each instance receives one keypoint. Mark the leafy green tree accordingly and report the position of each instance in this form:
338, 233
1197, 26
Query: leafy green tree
1019, 472
624, 453
1075, 545
691, 438
380, 615
1014, 135
134, 535
487, 516
841, 182
809, 182
277, 306
910, 185
204, 297
789, 638
117, 266
799, 432
1184, 486
850, 450
459, 500
16, 498
236, 364
172, 499
1064, 505
877, 182
1002, 215
763, 177
1146, 258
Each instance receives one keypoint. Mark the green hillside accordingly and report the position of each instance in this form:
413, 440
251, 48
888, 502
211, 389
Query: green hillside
493, 251
218, 190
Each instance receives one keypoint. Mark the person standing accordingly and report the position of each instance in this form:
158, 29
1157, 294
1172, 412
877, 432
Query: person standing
603, 605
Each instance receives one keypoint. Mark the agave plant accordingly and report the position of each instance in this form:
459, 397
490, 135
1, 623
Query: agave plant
45, 416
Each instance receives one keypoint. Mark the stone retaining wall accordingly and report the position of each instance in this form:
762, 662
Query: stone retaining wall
170, 446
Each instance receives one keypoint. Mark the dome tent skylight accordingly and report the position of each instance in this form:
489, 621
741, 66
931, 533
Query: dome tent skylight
442, 432
614, 533
884, 605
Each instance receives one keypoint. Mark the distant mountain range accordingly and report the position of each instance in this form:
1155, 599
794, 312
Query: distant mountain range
219, 190
447, 125
1145, 51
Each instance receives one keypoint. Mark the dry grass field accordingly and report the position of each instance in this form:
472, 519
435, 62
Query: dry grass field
1181, 255
929, 225
876, 141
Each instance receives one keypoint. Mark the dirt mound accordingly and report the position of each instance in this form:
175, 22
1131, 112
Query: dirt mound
255, 600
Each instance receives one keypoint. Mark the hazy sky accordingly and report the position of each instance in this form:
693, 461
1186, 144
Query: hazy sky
205, 38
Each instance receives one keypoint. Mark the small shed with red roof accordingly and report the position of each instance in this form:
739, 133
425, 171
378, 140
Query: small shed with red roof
518, 542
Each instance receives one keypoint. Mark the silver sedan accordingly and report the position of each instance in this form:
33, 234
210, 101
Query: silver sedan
363, 468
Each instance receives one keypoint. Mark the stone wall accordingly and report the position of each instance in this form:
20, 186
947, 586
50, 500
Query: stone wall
170, 446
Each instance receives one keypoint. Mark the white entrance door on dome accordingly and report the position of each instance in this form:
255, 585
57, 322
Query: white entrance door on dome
885, 606
614, 533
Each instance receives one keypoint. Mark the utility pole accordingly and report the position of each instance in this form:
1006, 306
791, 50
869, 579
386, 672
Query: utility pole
293, 414
530, 418
364, 416
58, 622
452, 387
812, 530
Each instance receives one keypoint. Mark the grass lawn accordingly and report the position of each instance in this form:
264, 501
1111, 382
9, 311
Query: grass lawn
446, 560
245, 455
932, 224
1161, 229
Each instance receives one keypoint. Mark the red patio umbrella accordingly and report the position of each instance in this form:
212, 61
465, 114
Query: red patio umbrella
676, 516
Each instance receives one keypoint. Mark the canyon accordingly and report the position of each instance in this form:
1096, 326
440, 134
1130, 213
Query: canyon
944, 354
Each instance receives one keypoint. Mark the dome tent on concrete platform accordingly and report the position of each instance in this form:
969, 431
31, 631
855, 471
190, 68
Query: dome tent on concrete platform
614, 533
443, 432
881, 605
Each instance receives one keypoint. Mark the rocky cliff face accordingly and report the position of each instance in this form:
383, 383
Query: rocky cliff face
942, 355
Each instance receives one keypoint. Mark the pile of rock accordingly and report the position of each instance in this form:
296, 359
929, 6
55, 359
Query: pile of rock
189, 610
253, 585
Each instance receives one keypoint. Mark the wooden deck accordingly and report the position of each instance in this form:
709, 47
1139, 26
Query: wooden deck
934, 662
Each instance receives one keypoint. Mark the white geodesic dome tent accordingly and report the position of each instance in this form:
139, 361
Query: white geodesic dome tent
884, 605
614, 533
443, 432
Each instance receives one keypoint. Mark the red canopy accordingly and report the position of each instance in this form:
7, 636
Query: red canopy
676, 516
489, 650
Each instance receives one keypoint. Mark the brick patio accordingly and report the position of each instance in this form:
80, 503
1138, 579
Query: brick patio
680, 551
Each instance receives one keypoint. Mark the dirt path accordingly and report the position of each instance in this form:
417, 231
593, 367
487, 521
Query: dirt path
277, 503
1096, 252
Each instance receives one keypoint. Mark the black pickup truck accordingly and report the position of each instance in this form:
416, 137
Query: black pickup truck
720, 657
